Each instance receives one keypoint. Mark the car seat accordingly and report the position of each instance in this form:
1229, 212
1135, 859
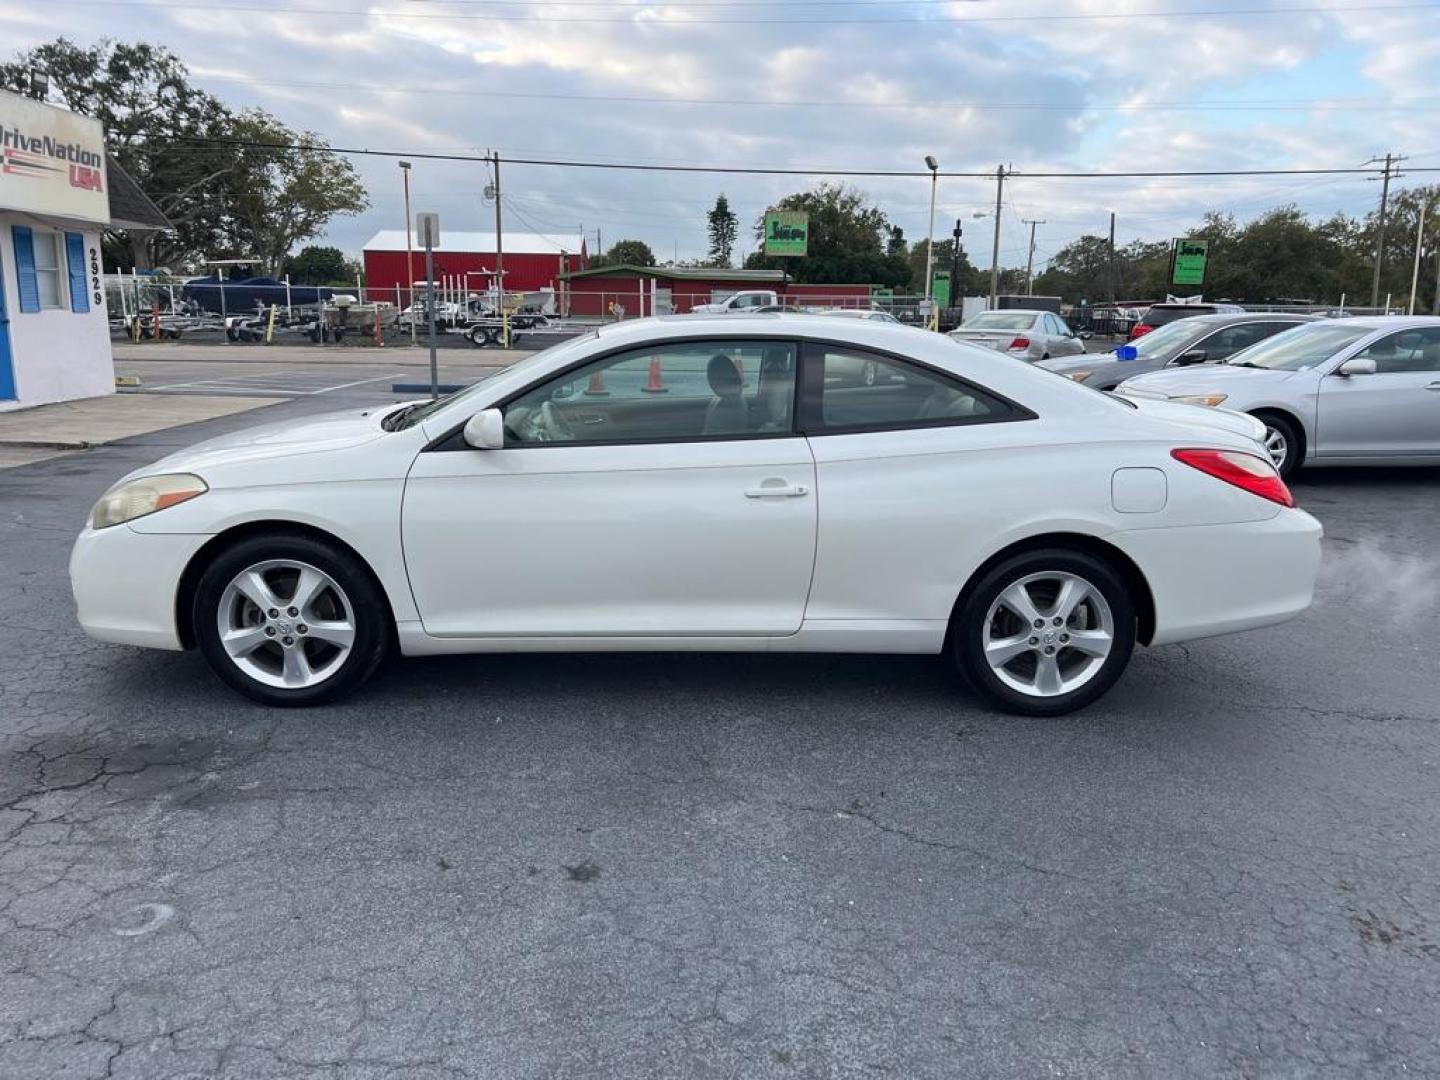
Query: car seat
727, 413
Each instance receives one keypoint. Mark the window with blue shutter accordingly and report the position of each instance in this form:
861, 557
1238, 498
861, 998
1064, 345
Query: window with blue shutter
25, 267
75, 260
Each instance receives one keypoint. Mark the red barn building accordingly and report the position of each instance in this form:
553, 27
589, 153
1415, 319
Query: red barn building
533, 261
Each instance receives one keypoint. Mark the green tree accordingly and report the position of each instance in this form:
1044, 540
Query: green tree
724, 228
315, 265
142, 95
847, 242
282, 197
626, 252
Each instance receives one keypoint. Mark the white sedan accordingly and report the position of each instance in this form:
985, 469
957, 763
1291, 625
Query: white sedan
700, 484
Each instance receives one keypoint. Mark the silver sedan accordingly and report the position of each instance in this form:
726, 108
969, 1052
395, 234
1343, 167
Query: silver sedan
1020, 332
1361, 391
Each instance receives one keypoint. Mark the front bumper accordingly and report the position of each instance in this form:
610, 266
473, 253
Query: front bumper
1219, 579
125, 584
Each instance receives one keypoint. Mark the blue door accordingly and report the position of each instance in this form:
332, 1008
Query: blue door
7, 369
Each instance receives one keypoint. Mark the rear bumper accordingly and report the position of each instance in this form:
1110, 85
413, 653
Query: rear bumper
125, 584
1218, 579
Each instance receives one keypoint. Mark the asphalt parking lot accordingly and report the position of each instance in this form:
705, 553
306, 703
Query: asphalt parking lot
717, 866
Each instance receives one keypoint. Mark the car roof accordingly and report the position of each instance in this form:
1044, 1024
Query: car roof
1016, 311
1226, 318
1382, 322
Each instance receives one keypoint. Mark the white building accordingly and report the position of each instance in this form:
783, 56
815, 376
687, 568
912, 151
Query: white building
55, 201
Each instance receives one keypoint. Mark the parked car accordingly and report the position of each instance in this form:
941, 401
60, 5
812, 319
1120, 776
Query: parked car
873, 314
1158, 315
699, 484
738, 303
1027, 334
1205, 339
1361, 391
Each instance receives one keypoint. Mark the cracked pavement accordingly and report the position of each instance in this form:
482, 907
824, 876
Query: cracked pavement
721, 866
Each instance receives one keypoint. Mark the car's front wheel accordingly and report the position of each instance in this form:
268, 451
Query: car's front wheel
290, 620
1282, 443
1045, 632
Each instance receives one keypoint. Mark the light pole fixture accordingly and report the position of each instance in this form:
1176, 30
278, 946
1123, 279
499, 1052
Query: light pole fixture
933, 166
409, 251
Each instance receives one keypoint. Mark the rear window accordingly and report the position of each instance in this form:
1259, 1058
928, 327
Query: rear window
1160, 316
1000, 320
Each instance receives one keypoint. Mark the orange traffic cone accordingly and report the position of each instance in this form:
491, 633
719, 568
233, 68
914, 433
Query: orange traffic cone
597, 386
656, 384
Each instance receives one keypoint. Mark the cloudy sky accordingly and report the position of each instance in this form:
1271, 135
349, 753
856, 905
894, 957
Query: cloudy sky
1040, 85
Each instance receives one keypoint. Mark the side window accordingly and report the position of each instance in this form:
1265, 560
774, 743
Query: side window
1409, 350
1232, 339
48, 266
677, 390
863, 390
1052, 326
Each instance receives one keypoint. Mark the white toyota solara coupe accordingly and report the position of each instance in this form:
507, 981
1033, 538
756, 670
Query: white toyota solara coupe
711, 484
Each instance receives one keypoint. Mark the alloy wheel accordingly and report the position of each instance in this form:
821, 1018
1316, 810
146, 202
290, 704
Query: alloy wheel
1276, 445
1048, 633
285, 623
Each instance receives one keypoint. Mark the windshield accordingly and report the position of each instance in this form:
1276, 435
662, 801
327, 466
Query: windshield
1170, 338
1301, 348
413, 414
1001, 320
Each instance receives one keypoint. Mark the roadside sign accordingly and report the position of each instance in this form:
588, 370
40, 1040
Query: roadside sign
1189, 262
940, 288
787, 232
427, 230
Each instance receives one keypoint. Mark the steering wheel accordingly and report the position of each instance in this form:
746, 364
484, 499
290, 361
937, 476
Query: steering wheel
547, 425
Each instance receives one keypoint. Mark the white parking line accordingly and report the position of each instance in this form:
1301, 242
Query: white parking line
294, 386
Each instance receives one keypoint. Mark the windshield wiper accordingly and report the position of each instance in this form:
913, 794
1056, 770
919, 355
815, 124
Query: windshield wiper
396, 420
1244, 363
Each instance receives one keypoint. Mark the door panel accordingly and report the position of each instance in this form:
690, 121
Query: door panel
7, 369
1392, 413
680, 539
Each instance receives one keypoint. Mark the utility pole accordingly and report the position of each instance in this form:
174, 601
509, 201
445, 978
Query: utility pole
1030, 259
1391, 160
1111, 267
500, 260
932, 165
995, 246
957, 295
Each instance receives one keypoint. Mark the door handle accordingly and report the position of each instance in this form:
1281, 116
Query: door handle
1433, 386
777, 489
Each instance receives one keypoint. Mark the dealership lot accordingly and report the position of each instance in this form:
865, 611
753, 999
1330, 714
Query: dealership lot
721, 866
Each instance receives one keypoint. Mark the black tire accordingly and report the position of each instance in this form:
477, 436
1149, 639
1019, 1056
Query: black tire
1284, 428
968, 626
373, 624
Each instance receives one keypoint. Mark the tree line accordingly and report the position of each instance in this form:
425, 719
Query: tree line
1282, 255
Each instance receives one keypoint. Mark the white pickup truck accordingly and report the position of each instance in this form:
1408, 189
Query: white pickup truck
740, 301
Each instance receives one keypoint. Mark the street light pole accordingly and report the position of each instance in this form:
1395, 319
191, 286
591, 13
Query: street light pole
995, 247
409, 251
933, 166
1419, 240
1030, 258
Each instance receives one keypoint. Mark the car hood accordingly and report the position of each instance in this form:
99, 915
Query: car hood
1202, 420
284, 438
1203, 378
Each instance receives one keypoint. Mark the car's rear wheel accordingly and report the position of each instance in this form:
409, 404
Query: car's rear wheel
1282, 443
290, 620
1045, 632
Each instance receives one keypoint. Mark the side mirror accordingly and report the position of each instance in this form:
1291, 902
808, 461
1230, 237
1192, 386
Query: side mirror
1357, 365
486, 430
1190, 356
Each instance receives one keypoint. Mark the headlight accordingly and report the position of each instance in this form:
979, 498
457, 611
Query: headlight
1078, 376
144, 496
1208, 400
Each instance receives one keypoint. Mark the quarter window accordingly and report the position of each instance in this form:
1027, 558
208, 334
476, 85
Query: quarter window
859, 390
677, 390
47, 267
1409, 350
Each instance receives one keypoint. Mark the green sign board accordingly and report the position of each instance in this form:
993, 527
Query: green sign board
1189, 267
787, 232
940, 288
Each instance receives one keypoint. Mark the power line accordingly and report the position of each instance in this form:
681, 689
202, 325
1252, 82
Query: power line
667, 23
1424, 103
201, 142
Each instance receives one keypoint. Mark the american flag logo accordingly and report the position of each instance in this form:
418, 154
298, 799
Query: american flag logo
22, 163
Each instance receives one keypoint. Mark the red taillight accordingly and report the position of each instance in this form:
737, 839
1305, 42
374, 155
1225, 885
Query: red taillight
1139, 330
1020, 343
1248, 471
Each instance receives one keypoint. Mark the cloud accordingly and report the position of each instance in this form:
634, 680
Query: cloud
893, 91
